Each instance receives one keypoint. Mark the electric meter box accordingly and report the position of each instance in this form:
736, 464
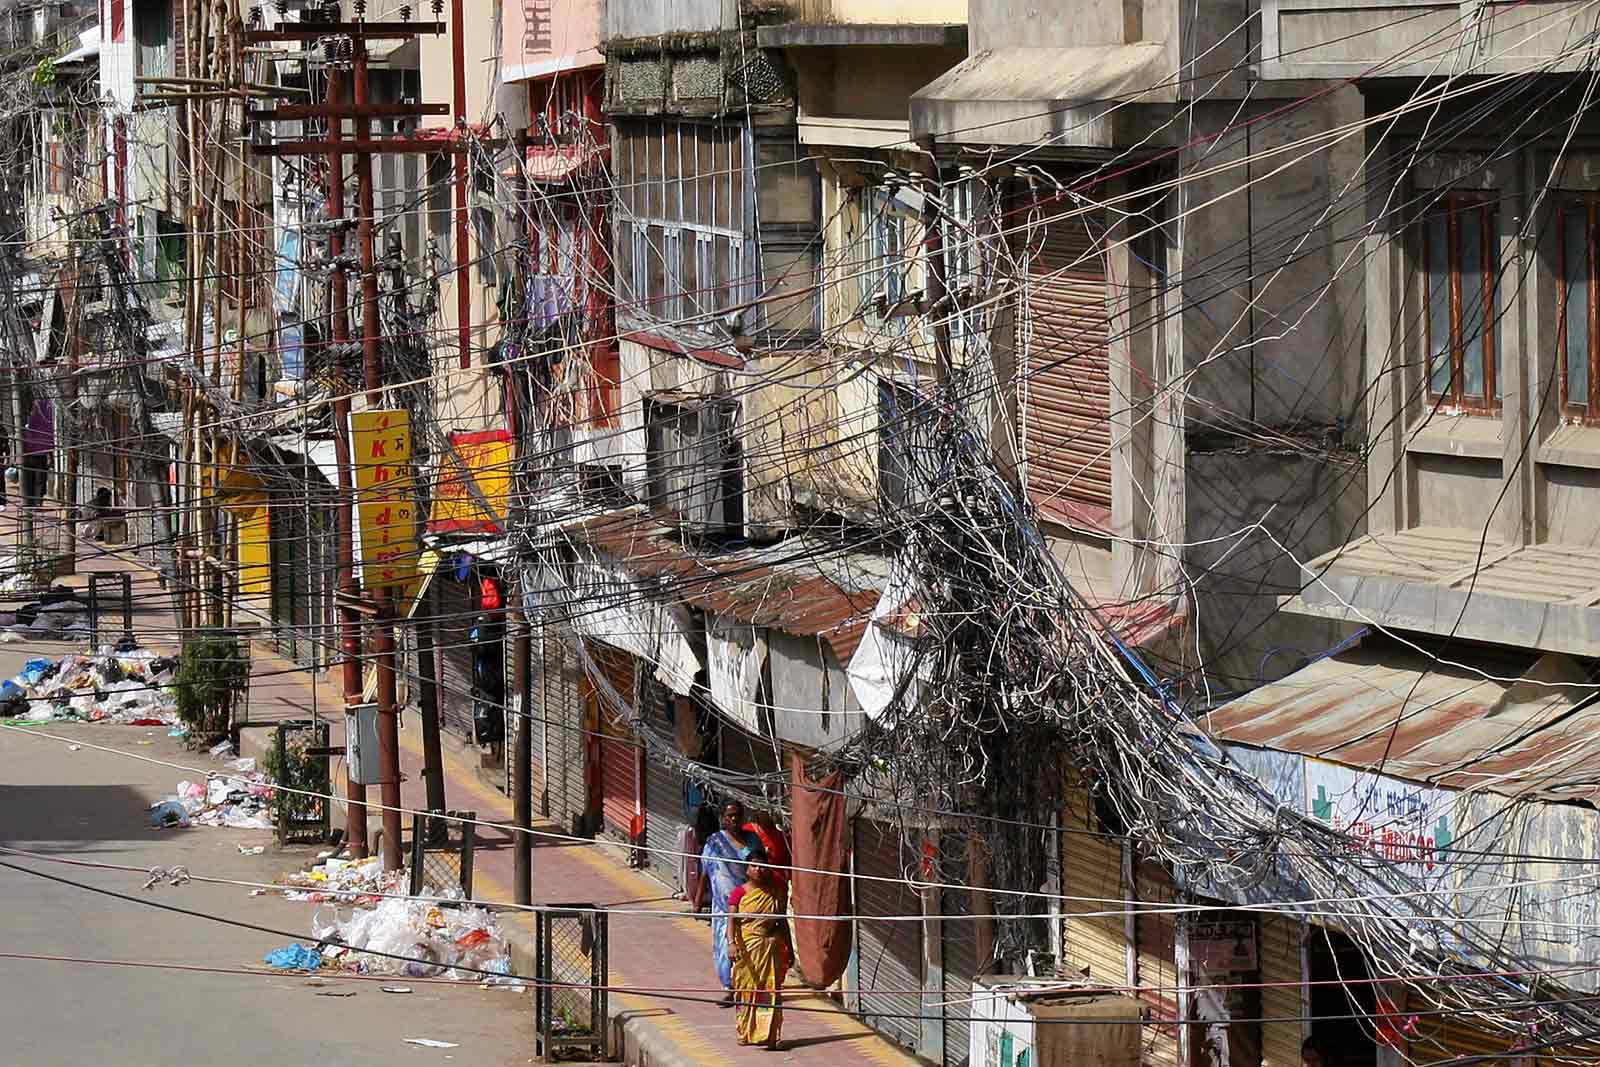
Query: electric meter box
362, 750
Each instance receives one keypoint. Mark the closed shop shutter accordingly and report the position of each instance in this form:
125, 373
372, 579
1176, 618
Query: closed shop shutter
560, 741
1158, 970
290, 595
1281, 994
1094, 946
1450, 1036
1066, 390
960, 956
619, 753
888, 954
664, 794
453, 605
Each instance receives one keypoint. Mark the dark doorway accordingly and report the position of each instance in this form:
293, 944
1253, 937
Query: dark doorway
1341, 988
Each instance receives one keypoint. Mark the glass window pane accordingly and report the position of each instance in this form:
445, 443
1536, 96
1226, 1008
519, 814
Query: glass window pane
1575, 250
1438, 253
1474, 316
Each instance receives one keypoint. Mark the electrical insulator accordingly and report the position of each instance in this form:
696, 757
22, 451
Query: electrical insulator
282, 7
438, 8
255, 14
405, 12
360, 8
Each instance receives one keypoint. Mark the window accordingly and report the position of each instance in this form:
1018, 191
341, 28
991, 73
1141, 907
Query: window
58, 175
907, 455
683, 199
694, 464
1460, 259
1576, 332
887, 226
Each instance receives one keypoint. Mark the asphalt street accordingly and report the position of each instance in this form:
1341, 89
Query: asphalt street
90, 805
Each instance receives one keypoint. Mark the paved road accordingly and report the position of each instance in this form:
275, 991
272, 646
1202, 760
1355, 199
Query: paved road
90, 805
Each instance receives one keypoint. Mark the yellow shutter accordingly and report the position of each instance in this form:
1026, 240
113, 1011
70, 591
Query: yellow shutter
1091, 867
1282, 992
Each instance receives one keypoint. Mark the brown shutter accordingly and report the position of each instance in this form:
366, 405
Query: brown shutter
619, 768
1066, 389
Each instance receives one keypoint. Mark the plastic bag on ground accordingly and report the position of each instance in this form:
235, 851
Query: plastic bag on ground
168, 813
293, 958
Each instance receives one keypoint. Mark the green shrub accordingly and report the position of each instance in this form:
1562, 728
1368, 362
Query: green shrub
212, 668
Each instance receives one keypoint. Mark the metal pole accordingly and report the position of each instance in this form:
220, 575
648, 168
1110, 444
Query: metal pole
344, 514
522, 673
383, 631
463, 290
428, 699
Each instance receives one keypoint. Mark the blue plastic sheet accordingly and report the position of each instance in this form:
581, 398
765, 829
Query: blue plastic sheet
294, 958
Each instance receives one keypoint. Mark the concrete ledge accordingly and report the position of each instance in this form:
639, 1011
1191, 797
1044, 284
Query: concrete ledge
863, 34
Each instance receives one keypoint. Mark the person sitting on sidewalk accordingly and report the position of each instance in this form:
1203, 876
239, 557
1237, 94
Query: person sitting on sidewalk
100, 516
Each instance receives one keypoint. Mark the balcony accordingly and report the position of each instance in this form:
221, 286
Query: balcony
1421, 38
1452, 582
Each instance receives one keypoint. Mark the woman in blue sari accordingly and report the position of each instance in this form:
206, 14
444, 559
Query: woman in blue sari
722, 871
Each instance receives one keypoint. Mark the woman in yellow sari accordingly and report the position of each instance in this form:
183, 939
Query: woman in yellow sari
760, 940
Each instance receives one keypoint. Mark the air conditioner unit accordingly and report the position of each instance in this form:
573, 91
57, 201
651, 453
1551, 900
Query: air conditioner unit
1020, 1022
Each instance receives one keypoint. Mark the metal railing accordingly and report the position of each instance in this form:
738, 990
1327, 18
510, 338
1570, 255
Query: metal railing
572, 973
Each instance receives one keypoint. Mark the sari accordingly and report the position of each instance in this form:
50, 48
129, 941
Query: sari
762, 967
722, 861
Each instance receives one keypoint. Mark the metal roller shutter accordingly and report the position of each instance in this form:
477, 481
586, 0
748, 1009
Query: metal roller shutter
1066, 391
960, 953
1158, 969
664, 795
1091, 868
560, 741
619, 753
1280, 992
888, 954
453, 604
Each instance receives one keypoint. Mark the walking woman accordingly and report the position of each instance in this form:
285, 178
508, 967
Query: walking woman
762, 954
722, 870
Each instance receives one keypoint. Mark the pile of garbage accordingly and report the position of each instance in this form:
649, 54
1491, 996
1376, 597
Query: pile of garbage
129, 686
438, 940
347, 881
239, 800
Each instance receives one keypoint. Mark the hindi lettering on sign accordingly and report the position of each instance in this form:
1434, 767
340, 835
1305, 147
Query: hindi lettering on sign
380, 443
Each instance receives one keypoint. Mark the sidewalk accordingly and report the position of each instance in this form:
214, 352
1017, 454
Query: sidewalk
646, 951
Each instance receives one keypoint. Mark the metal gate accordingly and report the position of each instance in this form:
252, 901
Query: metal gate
1066, 391
888, 952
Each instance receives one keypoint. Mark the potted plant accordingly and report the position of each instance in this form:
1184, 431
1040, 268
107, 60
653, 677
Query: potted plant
212, 670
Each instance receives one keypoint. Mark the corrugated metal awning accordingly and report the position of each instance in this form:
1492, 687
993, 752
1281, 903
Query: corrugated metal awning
734, 584
1409, 716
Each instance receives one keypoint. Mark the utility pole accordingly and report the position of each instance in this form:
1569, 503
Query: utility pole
424, 624
355, 824
380, 602
522, 656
